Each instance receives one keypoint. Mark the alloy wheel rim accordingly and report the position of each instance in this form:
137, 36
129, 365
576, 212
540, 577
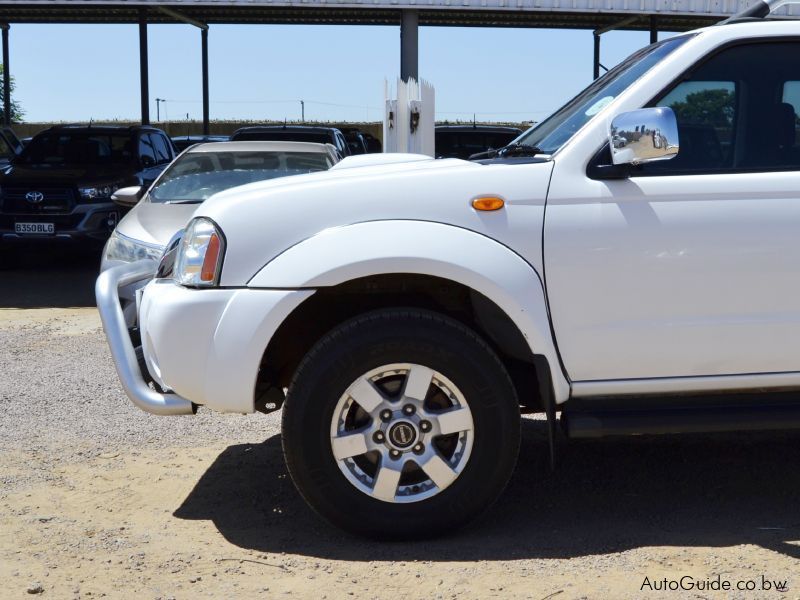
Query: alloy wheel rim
402, 433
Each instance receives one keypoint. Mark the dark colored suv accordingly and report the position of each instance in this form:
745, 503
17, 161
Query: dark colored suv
59, 187
462, 141
293, 133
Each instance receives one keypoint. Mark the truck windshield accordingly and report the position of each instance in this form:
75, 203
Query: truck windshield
552, 133
79, 148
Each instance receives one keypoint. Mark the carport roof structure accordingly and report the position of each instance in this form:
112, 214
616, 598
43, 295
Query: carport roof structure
598, 15
673, 15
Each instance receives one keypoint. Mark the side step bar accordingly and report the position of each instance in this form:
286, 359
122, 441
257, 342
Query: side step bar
588, 422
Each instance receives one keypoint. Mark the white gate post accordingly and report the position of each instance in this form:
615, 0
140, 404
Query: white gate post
408, 124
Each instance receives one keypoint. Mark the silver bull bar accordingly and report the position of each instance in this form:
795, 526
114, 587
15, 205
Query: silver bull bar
119, 341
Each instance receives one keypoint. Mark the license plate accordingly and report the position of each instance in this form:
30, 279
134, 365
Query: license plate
34, 228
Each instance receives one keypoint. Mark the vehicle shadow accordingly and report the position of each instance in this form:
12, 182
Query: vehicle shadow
605, 496
47, 276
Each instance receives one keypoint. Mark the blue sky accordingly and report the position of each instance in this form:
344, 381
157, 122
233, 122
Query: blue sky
78, 72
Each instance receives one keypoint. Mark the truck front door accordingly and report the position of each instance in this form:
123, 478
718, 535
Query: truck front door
690, 267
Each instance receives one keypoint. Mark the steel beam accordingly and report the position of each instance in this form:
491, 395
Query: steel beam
204, 44
6, 77
598, 32
618, 25
143, 67
179, 16
409, 45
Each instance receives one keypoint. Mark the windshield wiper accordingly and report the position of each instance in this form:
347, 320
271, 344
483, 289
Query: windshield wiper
183, 202
519, 150
509, 151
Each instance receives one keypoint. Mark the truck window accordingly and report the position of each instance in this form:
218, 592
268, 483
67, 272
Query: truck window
791, 96
705, 111
734, 115
146, 151
160, 145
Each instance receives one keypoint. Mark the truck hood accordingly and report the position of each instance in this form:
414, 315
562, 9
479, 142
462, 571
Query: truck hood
155, 223
262, 220
398, 165
367, 160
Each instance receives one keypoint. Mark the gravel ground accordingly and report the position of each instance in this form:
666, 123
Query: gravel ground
100, 499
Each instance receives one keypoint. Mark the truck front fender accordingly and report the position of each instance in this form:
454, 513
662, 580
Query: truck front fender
338, 255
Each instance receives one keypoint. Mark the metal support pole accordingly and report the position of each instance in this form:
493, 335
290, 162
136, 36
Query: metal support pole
598, 32
204, 40
6, 78
596, 55
409, 45
653, 29
143, 71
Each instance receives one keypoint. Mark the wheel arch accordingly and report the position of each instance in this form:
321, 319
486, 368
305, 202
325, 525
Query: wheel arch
385, 264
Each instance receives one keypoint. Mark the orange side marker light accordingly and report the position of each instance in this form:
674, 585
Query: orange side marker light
488, 203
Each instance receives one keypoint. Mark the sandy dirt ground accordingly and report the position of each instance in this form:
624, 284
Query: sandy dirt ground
98, 499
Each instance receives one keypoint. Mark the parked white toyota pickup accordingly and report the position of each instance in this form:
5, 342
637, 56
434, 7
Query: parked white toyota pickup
632, 262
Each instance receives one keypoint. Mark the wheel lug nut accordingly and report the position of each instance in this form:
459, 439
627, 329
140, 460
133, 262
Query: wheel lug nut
419, 449
386, 415
378, 436
409, 409
425, 426
394, 453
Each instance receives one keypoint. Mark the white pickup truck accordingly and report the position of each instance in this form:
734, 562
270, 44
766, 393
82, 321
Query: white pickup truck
633, 262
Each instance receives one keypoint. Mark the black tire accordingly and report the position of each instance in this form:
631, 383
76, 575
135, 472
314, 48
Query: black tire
392, 336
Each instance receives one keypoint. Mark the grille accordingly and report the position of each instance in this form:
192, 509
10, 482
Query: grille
55, 201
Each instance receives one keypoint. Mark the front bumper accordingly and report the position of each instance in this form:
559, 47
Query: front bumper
119, 341
205, 345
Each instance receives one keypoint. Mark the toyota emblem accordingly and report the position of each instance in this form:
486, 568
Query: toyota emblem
34, 197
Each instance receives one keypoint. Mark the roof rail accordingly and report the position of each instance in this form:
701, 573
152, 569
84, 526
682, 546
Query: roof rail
759, 10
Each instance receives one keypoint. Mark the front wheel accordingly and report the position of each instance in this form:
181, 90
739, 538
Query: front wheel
401, 424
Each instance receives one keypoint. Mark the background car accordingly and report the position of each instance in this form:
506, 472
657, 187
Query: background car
374, 145
462, 141
294, 133
60, 185
182, 142
356, 140
196, 175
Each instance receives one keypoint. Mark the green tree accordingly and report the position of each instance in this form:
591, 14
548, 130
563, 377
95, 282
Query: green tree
16, 110
710, 107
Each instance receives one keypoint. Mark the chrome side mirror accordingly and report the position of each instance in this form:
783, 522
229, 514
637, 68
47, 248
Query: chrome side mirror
643, 136
127, 196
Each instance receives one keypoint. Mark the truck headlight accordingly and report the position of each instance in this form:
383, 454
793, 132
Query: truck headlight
124, 249
98, 192
200, 254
